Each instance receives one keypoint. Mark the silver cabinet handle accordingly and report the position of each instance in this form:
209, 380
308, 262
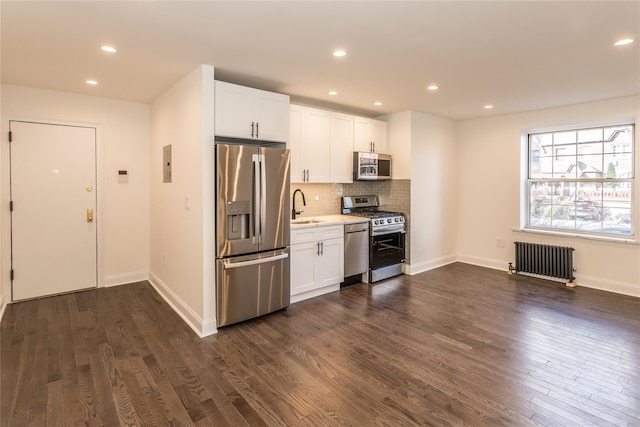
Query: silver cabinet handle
251, 129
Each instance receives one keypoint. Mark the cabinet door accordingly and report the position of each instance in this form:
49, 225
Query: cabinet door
378, 134
302, 267
309, 143
271, 114
233, 110
316, 144
361, 135
341, 148
330, 263
369, 135
294, 143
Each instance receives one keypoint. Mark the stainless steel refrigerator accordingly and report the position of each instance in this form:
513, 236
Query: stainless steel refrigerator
252, 229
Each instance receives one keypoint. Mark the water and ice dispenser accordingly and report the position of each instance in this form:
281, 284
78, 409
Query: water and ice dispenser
238, 220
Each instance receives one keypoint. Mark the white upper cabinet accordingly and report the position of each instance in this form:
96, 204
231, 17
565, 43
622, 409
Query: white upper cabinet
369, 135
244, 112
341, 148
322, 143
309, 142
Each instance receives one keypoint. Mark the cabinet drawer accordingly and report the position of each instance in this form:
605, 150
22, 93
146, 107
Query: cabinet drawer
330, 232
303, 235
313, 234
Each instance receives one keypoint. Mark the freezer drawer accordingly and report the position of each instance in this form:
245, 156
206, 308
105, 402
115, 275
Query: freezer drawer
251, 286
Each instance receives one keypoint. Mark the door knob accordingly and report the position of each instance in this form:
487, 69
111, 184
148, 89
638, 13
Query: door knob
89, 215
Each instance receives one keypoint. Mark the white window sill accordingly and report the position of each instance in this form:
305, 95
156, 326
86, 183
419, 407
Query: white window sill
628, 239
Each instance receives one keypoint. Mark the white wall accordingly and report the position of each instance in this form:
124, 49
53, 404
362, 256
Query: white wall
399, 143
433, 192
423, 149
124, 143
489, 195
183, 117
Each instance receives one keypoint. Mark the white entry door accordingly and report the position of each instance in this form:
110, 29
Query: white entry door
53, 217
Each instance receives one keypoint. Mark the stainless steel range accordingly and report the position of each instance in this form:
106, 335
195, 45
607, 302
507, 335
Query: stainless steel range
386, 236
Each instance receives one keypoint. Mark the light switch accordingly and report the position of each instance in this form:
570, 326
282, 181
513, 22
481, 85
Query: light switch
187, 202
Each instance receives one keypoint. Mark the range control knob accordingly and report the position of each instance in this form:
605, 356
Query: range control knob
389, 221
397, 219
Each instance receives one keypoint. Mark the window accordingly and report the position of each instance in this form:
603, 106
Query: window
582, 180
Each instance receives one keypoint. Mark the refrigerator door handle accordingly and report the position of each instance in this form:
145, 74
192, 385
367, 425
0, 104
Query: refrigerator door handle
263, 195
239, 264
256, 199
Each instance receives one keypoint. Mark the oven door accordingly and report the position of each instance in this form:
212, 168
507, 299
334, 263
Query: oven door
386, 249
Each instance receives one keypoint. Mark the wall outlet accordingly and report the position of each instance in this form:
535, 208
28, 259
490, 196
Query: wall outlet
500, 243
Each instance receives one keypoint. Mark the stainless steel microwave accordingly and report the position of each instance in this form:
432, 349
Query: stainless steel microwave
371, 166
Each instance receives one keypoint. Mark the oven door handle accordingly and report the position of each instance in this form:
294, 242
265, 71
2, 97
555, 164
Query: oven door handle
384, 232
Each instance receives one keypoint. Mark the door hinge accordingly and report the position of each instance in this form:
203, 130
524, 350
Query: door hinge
10, 136
11, 273
11, 206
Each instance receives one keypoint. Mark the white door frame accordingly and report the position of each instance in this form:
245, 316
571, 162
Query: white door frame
5, 197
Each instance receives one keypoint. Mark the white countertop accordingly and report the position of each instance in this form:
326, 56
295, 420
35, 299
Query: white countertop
322, 220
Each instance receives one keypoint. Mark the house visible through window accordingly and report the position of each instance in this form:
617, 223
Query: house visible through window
582, 180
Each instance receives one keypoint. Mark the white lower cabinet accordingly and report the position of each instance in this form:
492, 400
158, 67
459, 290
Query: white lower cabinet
317, 261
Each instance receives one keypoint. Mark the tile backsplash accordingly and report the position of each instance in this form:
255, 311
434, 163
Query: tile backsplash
324, 199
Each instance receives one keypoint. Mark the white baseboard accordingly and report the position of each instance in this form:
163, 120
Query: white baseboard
608, 285
3, 306
584, 281
412, 269
314, 293
483, 262
201, 327
125, 279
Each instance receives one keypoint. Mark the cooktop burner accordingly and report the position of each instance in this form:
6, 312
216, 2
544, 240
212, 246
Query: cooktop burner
367, 207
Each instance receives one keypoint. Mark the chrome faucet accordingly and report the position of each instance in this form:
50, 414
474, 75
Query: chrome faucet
294, 212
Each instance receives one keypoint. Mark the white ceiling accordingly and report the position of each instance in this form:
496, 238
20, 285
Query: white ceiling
516, 55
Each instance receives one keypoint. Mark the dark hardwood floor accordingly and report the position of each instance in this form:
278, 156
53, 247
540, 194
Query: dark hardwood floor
459, 345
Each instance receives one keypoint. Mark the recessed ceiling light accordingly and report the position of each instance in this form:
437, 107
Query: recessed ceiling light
333, 92
109, 49
623, 42
91, 82
339, 53
377, 103
432, 87
488, 107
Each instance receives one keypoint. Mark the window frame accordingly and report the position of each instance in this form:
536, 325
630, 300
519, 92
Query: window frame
526, 181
